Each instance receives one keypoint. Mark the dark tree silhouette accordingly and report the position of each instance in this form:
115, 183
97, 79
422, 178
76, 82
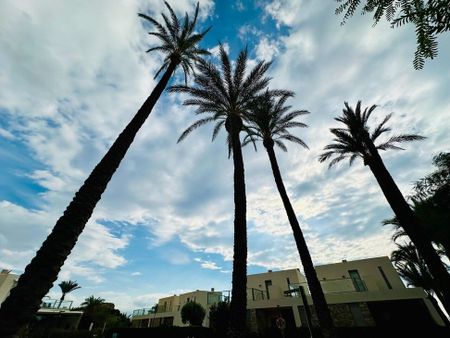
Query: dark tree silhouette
430, 17
225, 94
179, 45
66, 287
269, 121
193, 313
355, 140
412, 268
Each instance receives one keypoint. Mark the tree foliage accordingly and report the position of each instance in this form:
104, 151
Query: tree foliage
178, 40
192, 313
223, 92
355, 139
219, 318
431, 203
269, 118
430, 18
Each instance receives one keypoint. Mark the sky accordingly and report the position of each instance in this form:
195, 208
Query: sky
73, 73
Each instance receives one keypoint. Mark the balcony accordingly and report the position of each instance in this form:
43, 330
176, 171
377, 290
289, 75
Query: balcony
329, 286
49, 303
255, 294
143, 312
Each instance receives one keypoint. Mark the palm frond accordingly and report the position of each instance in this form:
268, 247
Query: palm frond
179, 42
194, 126
355, 140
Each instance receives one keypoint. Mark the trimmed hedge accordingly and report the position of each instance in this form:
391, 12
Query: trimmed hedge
166, 332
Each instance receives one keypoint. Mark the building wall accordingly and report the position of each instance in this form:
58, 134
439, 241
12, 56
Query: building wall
274, 283
7, 282
379, 282
169, 309
371, 271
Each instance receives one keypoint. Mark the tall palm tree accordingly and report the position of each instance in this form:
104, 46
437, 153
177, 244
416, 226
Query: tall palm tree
269, 121
225, 94
355, 140
66, 287
412, 268
179, 45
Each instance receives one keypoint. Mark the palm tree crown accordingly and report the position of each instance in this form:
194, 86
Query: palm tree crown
356, 140
68, 286
224, 93
179, 40
92, 301
269, 119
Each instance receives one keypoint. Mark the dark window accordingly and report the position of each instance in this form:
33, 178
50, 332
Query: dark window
288, 282
268, 283
358, 283
357, 314
385, 278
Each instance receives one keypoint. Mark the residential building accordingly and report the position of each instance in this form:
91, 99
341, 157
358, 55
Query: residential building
168, 310
8, 280
366, 292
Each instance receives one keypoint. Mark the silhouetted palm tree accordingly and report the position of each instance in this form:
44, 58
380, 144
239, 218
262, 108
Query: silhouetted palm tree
412, 268
225, 94
355, 140
179, 44
433, 217
270, 121
66, 287
92, 301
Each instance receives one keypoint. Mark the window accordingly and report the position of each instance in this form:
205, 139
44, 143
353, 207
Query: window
268, 283
385, 278
358, 283
288, 282
357, 314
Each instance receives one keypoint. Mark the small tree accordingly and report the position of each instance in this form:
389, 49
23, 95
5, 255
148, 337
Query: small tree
219, 318
193, 313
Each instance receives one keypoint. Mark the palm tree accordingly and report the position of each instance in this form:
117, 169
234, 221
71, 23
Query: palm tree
412, 268
66, 287
270, 121
225, 94
179, 45
92, 302
355, 140
433, 217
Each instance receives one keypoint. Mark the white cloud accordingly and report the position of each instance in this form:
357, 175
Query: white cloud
266, 50
205, 264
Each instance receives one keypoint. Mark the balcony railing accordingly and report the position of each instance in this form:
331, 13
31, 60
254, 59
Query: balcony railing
329, 286
255, 294
143, 312
48, 303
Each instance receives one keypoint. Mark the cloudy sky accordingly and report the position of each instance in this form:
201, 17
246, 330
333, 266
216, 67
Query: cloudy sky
72, 73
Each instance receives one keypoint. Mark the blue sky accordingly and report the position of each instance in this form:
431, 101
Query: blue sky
70, 82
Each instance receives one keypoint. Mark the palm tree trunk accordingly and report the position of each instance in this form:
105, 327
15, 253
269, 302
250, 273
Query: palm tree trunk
238, 306
61, 300
438, 309
39, 275
411, 224
323, 312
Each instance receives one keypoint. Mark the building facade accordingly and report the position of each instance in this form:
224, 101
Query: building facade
366, 292
168, 310
8, 280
